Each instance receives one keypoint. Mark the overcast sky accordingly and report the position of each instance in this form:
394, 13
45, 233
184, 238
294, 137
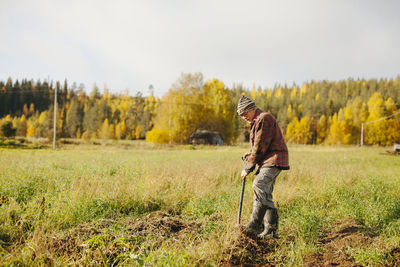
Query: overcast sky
132, 44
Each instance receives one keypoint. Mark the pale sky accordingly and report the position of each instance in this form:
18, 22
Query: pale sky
132, 44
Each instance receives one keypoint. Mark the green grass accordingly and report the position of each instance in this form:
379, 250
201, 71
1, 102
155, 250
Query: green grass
47, 194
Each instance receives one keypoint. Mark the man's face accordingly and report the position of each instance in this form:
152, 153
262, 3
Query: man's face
248, 116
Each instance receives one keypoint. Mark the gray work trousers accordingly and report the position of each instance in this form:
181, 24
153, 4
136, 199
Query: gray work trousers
263, 185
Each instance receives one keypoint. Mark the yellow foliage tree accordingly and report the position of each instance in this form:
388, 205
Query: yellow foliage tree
291, 131
31, 131
25, 110
299, 132
217, 102
21, 125
335, 134
157, 136
293, 93
348, 127
43, 118
107, 130
278, 92
120, 130
31, 108
390, 106
139, 131
376, 131
86, 135
393, 131
304, 133
321, 129
253, 93
291, 113
192, 104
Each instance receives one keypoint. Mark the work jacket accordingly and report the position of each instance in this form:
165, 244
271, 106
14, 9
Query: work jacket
268, 147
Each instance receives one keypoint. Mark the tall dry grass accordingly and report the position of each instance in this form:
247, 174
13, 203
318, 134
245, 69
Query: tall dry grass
48, 193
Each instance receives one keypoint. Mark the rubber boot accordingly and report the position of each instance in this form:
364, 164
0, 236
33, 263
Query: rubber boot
253, 228
270, 224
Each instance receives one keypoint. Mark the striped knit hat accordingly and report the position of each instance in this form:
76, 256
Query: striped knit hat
245, 104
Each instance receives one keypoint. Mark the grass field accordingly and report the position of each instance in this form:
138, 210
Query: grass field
135, 204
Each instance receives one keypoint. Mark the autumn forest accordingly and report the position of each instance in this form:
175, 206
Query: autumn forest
316, 112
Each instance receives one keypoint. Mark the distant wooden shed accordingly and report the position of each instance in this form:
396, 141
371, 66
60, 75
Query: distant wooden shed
204, 137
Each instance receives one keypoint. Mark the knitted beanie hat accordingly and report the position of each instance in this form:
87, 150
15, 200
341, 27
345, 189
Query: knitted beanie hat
245, 104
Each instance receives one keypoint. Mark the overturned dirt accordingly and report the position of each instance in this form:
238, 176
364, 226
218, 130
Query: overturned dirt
249, 251
161, 225
343, 234
395, 255
70, 242
98, 240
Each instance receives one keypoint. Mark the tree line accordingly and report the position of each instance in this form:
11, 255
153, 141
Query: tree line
316, 112
29, 106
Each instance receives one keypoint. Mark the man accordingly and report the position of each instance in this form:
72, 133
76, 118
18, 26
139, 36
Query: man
269, 152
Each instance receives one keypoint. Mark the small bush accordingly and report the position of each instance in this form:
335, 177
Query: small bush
7, 129
158, 136
189, 147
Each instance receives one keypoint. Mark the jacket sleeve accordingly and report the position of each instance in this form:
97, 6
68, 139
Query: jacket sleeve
262, 139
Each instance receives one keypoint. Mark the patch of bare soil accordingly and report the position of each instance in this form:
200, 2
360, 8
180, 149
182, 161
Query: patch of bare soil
97, 241
71, 241
248, 251
341, 235
161, 225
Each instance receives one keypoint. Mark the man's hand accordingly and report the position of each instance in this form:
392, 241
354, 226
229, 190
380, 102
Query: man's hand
244, 174
244, 157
